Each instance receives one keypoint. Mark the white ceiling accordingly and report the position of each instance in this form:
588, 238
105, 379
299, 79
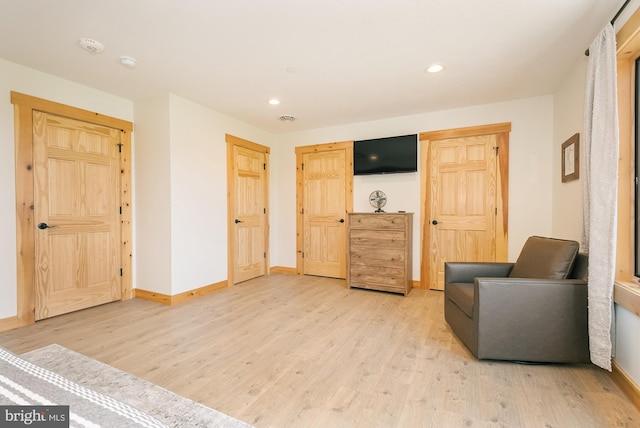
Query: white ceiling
354, 60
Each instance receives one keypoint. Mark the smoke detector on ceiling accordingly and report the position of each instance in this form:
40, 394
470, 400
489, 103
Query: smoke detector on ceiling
90, 45
128, 62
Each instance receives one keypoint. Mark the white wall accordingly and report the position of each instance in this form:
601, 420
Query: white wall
14, 77
198, 203
152, 203
568, 110
181, 175
530, 176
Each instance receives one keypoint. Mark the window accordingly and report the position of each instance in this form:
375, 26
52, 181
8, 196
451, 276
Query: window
627, 290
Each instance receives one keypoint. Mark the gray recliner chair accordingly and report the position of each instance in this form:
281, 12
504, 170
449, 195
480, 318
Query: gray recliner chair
534, 310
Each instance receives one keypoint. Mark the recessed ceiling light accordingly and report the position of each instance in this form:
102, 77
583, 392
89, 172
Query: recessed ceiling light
292, 70
274, 101
435, 68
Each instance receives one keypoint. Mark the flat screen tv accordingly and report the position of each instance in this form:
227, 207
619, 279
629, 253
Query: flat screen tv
386, 155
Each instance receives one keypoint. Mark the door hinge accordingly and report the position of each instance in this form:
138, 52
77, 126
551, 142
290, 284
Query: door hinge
302, 211
119, 147
302, 167
496, 210
264, 255
120, 271
264, 166
120, 210
264, 210
497, 148
303, 254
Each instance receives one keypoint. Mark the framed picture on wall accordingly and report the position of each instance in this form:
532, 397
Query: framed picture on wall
571, 159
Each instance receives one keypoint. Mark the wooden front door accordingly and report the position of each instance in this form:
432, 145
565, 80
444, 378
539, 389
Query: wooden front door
465, 200
77, 209
248, 226
325, 181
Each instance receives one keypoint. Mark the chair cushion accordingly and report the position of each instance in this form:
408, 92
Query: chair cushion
461, 295
545, 258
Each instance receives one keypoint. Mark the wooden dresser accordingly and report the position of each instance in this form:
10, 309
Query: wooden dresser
380, 251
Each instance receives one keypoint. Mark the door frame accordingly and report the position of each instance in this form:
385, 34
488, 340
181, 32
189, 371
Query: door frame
502, 192
231, 190
24, 105
347, 146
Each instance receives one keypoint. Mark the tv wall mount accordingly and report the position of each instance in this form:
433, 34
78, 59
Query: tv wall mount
378, 199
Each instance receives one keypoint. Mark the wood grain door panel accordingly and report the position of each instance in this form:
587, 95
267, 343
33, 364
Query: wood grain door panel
247, 209
463, 202
76, 170
250, 219
324, 178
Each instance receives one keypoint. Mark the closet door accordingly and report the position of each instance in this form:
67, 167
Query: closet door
248, 203
77, 214
325, 252
324, 197
465, 208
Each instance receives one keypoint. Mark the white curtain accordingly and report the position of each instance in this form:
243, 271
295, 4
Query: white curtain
600, 192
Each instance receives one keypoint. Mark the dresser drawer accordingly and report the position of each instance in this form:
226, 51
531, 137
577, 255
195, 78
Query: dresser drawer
381, 275
378, 256
377, 221
371, 238
402, 289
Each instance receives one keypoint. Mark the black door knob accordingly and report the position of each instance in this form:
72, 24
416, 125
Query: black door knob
236, 221
341, 220
43, 226
434, 222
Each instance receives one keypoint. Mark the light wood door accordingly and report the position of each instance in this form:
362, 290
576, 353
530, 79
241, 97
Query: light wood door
76, 170
465, 203
247, 209
325, 213
250, 213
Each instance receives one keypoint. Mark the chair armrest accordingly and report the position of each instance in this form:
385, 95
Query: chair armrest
532, 319
493, 288
533, 297
468, 271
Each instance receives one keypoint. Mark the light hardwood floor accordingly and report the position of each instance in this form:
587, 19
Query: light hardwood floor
285, 350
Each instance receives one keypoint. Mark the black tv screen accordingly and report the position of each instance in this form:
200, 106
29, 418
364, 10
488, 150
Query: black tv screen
386, 155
